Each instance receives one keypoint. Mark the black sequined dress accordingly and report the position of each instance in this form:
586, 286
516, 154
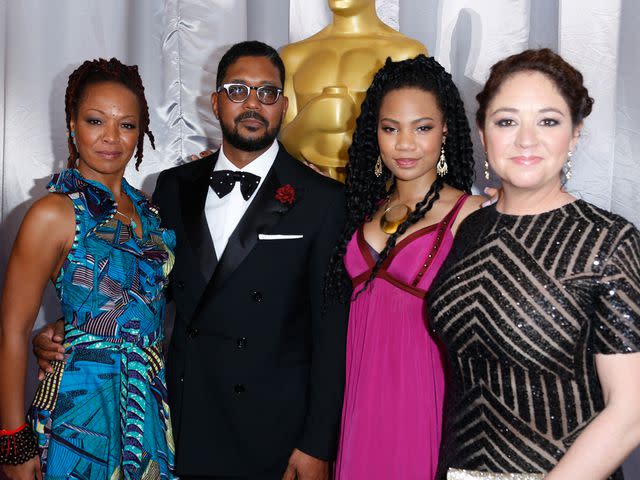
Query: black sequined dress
522, 304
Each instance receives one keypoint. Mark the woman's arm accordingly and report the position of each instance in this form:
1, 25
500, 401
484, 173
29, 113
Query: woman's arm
44, 238
615, 432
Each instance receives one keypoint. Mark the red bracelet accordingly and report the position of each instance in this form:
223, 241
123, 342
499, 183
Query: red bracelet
13, 432
17, 446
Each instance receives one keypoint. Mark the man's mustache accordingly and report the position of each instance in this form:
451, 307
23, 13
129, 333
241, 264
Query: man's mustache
251, 114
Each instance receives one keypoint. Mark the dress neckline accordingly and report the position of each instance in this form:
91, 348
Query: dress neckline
552, 211
401, 244
101, 204
364, 246
440, 231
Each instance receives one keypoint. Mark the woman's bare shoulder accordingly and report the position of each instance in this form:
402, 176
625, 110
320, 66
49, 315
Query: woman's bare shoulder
53, 207
51, 216
471, 204
451, 195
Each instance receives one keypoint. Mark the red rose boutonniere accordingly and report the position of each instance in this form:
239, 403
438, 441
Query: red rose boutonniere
286, 194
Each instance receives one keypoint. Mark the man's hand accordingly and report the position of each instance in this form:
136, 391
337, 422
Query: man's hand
204, 153
493, 194
315, 168
47, 346
305, 467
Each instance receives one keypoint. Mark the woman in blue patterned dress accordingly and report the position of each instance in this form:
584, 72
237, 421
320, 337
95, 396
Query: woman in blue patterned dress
102, 412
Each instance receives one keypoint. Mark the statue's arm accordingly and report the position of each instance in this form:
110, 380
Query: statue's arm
410, 49
290, 66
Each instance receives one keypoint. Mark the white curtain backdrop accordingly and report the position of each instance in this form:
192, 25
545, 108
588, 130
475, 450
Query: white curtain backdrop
177, 45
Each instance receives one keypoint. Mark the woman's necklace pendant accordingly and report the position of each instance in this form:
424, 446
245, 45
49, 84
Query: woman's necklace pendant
390, 226
132, 222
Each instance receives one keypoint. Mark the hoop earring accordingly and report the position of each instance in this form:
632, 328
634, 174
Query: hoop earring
377, 169
441, 166
569, 173
486, 167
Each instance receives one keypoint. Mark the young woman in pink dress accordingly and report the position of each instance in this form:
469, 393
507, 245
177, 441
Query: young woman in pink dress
409, 174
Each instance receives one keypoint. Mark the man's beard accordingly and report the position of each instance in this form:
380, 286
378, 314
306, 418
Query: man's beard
250, 144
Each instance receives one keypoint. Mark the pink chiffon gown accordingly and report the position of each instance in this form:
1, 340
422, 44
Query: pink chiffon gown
392, 412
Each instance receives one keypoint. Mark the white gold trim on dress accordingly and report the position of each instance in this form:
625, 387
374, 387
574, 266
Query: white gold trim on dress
459, 474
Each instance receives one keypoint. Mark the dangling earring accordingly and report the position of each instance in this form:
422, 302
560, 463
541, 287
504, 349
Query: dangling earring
441, 166
569, 173
486, 166
377, 170
72, 134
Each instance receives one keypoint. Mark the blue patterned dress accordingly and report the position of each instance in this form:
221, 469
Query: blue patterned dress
103, 412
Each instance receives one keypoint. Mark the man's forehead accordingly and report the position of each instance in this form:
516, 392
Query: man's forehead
255, 68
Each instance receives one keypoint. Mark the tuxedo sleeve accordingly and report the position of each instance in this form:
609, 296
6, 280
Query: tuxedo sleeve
329, 331
159, 199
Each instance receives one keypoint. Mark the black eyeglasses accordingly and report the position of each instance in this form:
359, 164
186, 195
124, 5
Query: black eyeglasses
239, 92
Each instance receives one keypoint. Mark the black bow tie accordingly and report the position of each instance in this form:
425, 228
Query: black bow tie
222, 182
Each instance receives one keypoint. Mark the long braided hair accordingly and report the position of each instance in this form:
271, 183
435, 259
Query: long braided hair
365, 191
98, 71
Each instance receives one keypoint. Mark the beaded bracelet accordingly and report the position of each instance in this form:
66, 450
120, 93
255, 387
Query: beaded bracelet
17, 446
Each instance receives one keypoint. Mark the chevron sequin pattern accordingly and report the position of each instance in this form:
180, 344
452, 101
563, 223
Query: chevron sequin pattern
522, 304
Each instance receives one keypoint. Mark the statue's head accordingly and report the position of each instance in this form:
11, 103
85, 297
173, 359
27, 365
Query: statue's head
347, 7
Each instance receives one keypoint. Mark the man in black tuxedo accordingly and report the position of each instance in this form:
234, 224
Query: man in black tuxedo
255, 368
255, 365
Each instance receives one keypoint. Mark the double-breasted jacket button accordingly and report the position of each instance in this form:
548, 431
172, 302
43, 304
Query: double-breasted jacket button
241, 342
180, 285
256, 296
239, 388
193, 332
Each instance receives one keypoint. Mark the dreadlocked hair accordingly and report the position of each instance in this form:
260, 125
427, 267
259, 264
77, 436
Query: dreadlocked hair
365, 192
92, 72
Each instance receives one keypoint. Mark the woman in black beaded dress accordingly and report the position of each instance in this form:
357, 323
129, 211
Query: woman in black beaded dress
538, 303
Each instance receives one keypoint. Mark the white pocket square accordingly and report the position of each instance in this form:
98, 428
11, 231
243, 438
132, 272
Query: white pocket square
264, 236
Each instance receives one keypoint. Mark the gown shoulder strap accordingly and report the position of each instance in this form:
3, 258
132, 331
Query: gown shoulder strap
450, 217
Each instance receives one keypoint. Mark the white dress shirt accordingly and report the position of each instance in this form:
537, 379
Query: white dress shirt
224, 214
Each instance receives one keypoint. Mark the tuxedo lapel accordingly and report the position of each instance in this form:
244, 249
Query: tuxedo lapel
193, 194
264, 212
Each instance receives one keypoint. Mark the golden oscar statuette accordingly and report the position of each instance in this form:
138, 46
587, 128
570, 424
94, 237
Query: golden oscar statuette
327, 77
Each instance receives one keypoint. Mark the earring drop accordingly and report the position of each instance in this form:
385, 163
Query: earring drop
441, 166
486, 167
569, 173
377, 169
